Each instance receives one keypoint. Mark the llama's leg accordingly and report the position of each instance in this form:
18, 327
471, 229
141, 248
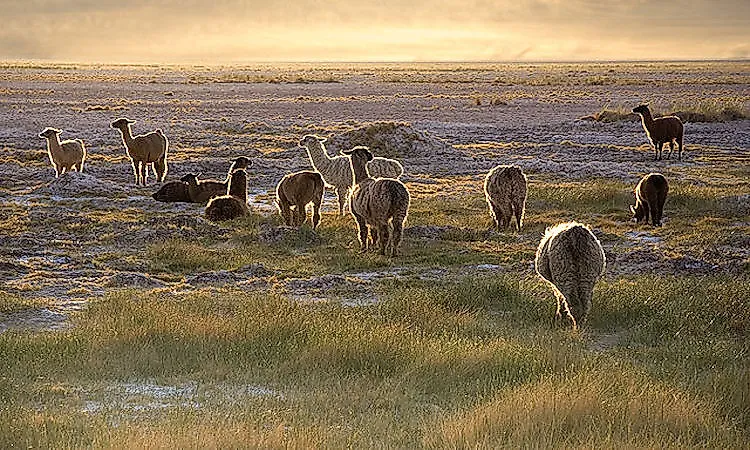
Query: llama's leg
57, 170
493, 215
398, 229
646, 211
518, 210
497, 216
160, 168
671, 149
144, 173
300, 215
679, 148
658, 147
316, 215
286, 212
80, 166
341, 195
362, 232
136, 170
63, 170
656, 213
383, 236
374, 237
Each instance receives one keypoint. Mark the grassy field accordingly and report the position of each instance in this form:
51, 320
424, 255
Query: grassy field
467, 360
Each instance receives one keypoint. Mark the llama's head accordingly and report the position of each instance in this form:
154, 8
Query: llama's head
241, 162
641, 109
121, 123
190, 178
311, 139
359, 153
639, 214
49, 133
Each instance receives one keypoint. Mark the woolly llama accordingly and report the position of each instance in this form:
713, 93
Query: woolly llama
661, 130
145, 149
505, 190
201, 191
232, 205
65, 155
296, 190
337, 172
650, 195
571, 259
377, 204
174, 191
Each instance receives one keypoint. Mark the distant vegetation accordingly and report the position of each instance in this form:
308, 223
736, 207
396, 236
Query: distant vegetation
704, 110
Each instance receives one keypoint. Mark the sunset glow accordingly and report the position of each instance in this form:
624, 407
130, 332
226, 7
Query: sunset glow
226, 31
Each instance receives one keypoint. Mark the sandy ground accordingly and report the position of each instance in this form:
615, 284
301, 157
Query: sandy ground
462, 120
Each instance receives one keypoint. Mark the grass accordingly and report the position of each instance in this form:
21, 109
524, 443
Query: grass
724, 109
469, 360
432, 365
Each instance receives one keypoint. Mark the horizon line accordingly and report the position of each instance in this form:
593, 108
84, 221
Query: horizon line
251, 62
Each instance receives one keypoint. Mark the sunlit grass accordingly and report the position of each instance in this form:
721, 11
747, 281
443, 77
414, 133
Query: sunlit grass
444, 364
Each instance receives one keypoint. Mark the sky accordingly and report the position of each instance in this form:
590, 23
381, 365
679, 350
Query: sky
241, 31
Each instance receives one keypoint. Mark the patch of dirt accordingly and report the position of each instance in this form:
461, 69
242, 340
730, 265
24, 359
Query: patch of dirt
51, 318
347, 290
391, 140
252, 273
448, 233
80, 184
133, 280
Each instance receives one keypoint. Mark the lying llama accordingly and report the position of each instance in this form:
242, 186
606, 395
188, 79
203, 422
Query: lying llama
571, 259
234, 203
650, 195
297, 190
201, 191
505, 190
661, 130
64, 155
174, 191
377, 204
337, 172
145, 149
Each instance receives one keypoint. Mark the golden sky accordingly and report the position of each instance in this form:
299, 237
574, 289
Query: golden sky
225, 31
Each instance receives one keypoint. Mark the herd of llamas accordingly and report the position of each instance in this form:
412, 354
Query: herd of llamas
569, 257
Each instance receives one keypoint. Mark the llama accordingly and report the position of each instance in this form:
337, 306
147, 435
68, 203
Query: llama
201, 191
234, 203
505, 191
337, 172
661, 130
65, 155
174, 191
377, 204
650, 195
571, 259
145, 149
297, 190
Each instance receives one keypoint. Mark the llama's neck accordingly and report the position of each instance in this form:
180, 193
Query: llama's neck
359, 169
318, 156
647, 119
238, 185
127, 135
53, 143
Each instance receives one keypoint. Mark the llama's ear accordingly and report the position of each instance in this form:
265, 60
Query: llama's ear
346, 152
321, 139
369, 155
130, 121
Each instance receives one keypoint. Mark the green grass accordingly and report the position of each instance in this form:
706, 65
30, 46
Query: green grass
724, 109
467, 361
433, 365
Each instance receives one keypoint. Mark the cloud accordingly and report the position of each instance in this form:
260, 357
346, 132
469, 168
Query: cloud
232, 30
